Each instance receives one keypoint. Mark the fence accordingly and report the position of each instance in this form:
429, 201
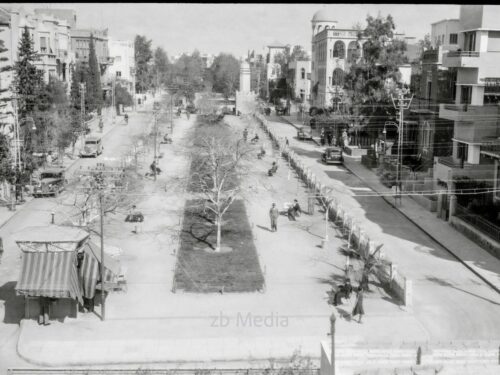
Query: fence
483, 225
397, 282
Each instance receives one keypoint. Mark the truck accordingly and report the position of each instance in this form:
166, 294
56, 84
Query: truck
50, 183
92, 148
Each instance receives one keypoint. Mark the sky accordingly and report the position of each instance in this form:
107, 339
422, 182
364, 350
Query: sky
237, 28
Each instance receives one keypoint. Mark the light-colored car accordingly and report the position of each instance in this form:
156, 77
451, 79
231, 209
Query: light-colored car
303, 133
93, 147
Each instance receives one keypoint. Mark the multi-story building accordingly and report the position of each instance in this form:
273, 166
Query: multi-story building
300, 77
475, 113
334, 50
273, 69
68, 15
80, 44
51, 41
122, 69
434, 85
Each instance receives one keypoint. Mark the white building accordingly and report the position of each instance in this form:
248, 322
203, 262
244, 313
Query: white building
273, 70
334, 50
300, 76
122, 68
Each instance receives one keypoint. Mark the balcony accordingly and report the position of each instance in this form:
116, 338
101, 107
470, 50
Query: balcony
461, 59
446, 168
467, 112
431, 56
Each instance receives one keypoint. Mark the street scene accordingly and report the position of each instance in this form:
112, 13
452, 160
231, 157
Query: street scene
196, 197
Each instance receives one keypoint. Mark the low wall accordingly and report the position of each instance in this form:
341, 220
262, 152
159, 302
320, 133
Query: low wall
398, 283
477, 236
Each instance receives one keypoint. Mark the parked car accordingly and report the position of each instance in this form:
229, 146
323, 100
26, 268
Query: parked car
303, 133
93, 147
332, 155
191, 108
50, 182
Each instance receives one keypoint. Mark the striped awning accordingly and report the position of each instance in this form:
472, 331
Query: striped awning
49, 274
90, 272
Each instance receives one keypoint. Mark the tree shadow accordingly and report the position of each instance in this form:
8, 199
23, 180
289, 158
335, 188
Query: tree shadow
200, 238
14, 304
445, 283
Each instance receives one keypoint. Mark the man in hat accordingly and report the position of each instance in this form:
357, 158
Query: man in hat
273, 214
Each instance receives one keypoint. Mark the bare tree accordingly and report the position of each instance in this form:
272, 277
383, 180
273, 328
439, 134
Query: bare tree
217, 164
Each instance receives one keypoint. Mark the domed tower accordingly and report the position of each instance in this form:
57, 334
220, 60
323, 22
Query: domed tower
322, 19
244, 77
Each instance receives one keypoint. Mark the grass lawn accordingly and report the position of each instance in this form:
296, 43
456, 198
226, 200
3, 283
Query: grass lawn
201, 270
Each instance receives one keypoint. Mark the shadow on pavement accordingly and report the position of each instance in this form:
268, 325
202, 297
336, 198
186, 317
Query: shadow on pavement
447, 284
14, 305
264, 228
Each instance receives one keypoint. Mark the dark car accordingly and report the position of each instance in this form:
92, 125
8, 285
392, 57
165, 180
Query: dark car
332, 155
303, 133
191, 108
51, 183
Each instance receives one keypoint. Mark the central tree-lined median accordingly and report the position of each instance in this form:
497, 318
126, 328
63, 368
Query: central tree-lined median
217, 250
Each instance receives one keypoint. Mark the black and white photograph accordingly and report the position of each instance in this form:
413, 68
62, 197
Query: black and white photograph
249, 189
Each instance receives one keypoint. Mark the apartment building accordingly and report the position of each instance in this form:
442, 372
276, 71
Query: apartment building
80, 45
300, 77
433, 85
475, 113
122, 68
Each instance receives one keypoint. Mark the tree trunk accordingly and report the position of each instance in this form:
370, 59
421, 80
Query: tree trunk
219, 224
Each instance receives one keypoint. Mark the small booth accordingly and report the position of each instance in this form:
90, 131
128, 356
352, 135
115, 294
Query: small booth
49, 270
61, 269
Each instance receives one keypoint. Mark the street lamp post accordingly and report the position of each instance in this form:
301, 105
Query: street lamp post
403, 102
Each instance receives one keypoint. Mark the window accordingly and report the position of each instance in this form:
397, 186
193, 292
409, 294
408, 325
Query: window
338, 77
453, 38
339, 49
43, 44
466, 95
352, 52
302, 73
118, 74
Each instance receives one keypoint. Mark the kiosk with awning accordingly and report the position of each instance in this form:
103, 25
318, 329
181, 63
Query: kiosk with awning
49, 269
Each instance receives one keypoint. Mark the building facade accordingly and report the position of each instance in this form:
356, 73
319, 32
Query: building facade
80, 45
300, 77
122, 68
273, 69
433, 85
475, 113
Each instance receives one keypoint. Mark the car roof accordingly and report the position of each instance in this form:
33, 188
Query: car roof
93, 138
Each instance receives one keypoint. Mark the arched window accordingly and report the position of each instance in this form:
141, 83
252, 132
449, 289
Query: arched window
338, 77
353, 52
339, 49
302, 73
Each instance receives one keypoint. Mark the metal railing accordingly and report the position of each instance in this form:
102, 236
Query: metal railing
462, 54
450, 162
483, 225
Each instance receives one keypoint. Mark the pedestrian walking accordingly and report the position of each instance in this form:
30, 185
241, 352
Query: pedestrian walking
358, 307
290, 213
286, 141
274, 214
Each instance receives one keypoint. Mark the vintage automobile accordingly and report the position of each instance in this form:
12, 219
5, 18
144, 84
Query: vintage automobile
303, 133
51, 182
191, 108
93, 147
332, 155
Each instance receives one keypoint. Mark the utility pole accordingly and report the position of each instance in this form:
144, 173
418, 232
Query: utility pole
400, 104
113, 100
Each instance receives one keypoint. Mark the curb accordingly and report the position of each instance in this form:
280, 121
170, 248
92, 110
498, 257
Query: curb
491, 285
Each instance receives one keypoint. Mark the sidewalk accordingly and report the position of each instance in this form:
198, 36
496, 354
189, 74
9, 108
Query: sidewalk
474, 257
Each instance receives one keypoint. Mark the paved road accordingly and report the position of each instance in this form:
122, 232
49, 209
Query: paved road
450, 301
38, 212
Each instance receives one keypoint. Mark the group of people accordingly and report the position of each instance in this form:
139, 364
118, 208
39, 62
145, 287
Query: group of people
293, 211
344, 291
